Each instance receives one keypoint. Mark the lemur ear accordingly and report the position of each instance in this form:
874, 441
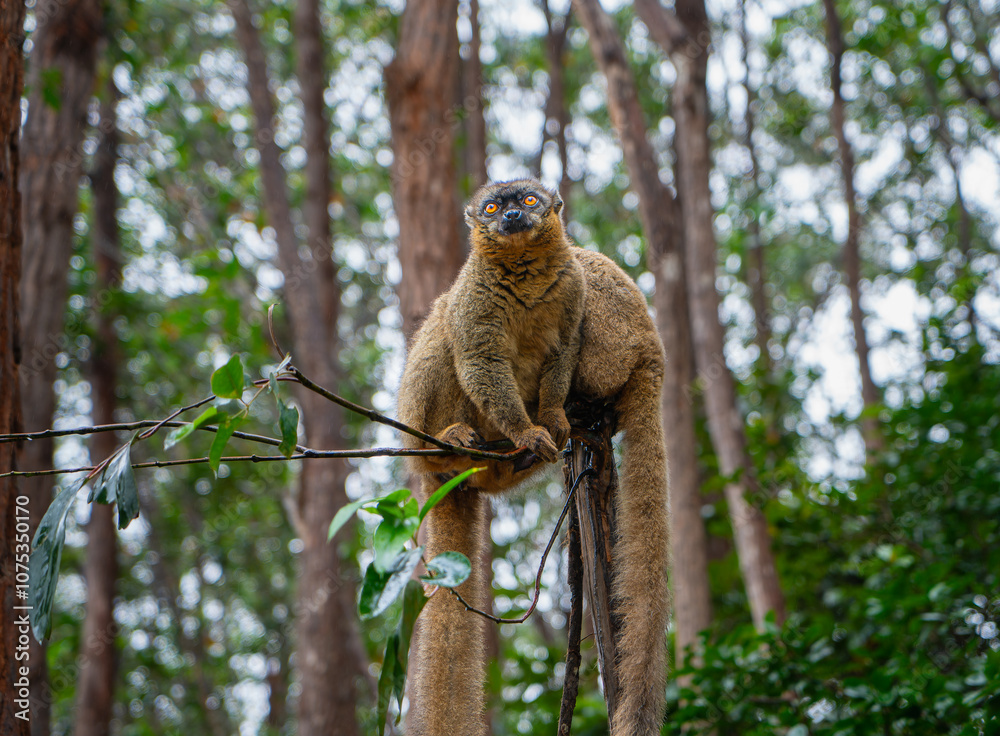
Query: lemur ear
557, 202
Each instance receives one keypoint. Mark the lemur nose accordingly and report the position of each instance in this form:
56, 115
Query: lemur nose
511, 215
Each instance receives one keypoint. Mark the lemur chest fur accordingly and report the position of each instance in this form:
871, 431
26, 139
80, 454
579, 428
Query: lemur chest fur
521, 315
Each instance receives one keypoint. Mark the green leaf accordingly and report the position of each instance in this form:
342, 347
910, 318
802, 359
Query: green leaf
115, 483
390, 538
43, 567
226, 429
379, 590
344, 513
227, 381
414, 599
288, 422
448, 569
445, 490
211, 415
387, 680
389, 504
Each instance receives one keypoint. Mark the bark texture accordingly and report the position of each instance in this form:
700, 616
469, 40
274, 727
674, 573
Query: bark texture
689, 54
11, 84
98, 657
419, 86
328, 654
61, 66
660, 221
870, 395
472, 102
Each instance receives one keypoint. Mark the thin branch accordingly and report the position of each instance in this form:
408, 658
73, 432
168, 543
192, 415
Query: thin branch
152, 430
306, 455
127, 426
541, 566
374, 416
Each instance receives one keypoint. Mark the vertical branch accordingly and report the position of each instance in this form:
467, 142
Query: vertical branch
556, 111
852, 245
98, 657
574, 575
596, 511
472, 102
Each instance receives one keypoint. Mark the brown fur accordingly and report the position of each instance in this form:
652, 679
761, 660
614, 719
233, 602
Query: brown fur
495, 359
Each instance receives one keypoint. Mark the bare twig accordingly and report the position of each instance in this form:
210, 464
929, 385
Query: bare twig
306, 455
152, 430
374, 416
541, 566
128, 426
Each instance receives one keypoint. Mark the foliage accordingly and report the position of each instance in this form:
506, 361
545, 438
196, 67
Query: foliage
897, 608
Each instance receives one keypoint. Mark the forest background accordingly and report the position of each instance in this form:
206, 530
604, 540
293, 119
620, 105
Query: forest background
807, 192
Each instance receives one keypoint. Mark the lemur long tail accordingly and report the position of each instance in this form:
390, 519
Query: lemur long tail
642, 556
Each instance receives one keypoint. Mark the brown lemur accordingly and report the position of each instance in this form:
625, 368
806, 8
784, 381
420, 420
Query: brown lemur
529, 319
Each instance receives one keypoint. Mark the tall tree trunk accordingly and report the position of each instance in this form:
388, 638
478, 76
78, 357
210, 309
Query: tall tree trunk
689, 54
472, 102
14, 548
98, 658
659, 215
327, 652
418, 86
62, 63
310, 68
756, 270
870, 395
556, 110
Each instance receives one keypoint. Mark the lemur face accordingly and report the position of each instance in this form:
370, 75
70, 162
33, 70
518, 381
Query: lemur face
509, 208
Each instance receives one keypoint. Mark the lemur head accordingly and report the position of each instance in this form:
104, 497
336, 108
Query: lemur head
517, 213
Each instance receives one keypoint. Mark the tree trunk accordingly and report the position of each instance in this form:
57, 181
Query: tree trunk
14, 549
852, 247
419, 86
62, 64
310, 69
98, 658
691, 113
472, 102
755, 268
327, 655
658, 212
556, 111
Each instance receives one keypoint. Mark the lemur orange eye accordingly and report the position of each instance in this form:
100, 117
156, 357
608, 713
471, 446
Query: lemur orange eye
491, 208
531, 200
